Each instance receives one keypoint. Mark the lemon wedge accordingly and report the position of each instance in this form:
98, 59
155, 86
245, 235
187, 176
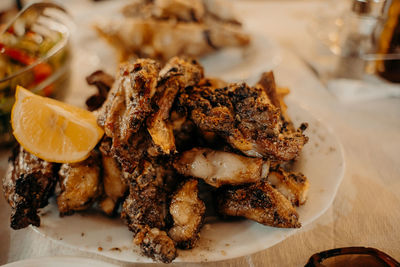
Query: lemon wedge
52, 130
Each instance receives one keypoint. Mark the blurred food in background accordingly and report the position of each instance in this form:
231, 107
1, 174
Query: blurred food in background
161, 29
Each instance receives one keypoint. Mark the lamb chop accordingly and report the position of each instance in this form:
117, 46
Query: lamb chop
245, 118
80, 185
187, 211
145, 210
259, 202
217, 168
28, 184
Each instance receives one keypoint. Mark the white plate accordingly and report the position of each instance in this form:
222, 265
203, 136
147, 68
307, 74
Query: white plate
59, 262
243, 64
321, 161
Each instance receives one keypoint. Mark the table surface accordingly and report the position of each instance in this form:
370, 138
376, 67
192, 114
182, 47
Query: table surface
366, 210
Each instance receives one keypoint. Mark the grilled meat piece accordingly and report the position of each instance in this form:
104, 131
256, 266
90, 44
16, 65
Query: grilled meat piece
175, 76
103, 83
126, 108
184, 130
276, 95
187, 135
80, 185
187, 211
267, 83
140, 146
145, 210
155, 244
259, 202
245, 117
114, 184
146, 202
218, 168
294, 186
129, 101
28, 184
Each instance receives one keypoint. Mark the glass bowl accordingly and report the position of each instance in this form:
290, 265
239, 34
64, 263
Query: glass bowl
34, 53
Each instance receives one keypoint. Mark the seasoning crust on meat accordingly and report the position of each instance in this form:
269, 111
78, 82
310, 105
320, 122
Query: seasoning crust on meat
80, 185
145, 210
28, 184
218, 167
187, 211
127, 106
245, 117
294, 186
175, 76
114, 184
259, 202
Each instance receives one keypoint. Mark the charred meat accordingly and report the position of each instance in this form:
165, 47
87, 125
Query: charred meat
28, 184
245, 117
127, 106
294, 186
146, 203
103, 83
80, 185
145, 210
129, 101
175, 141
259, 202
155, 244
187, 211
267, 83
175, 76
218, 168
114, 184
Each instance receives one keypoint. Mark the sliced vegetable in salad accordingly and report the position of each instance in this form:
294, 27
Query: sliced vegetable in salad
33, 57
